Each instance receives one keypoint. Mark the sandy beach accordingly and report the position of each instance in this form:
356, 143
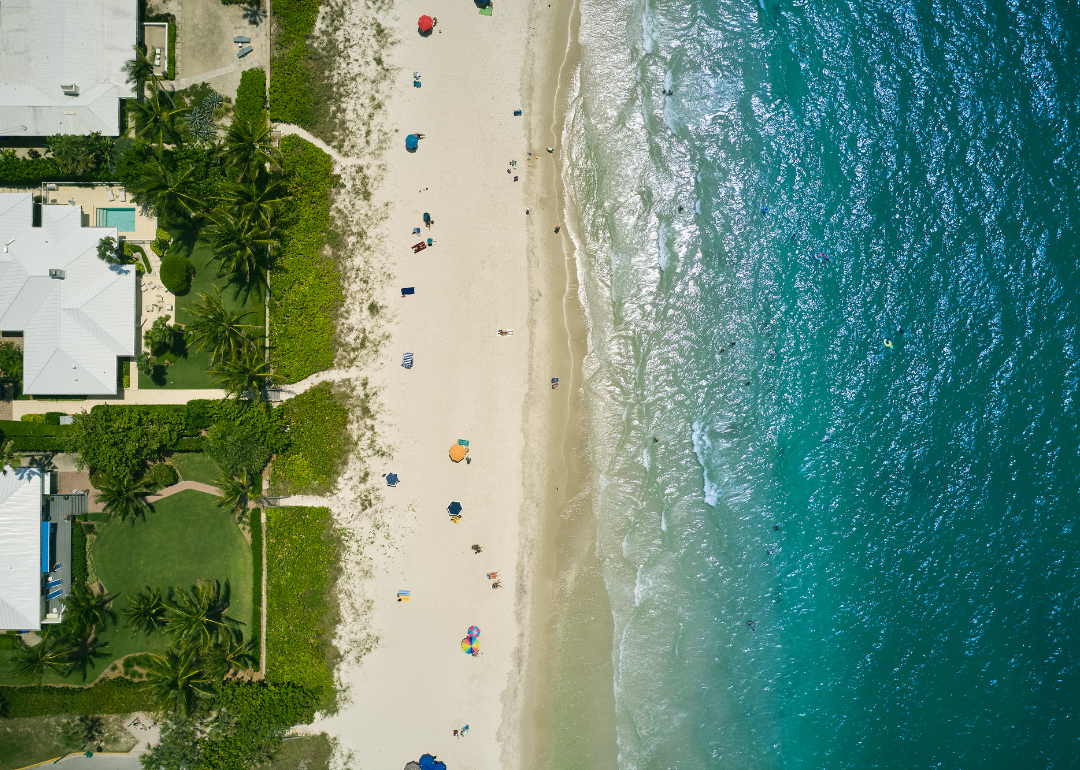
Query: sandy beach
491, 266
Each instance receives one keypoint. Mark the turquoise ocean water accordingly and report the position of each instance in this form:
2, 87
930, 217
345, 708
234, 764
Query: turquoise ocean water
820, 176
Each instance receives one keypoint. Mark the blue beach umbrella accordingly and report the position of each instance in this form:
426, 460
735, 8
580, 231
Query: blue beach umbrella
454, 508
427, 762
412, 142
391, 479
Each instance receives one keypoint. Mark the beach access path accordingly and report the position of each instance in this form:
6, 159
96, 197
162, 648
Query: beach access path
416, 686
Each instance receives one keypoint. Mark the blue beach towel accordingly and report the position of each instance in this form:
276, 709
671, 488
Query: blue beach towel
406, 361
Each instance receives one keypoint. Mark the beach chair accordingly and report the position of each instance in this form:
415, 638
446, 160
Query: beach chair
408, 291
123, 195
244, 51
111, 196
406, 361
403, 596
419, 247
241, 39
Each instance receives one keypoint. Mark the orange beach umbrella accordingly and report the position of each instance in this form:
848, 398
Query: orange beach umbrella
458, 452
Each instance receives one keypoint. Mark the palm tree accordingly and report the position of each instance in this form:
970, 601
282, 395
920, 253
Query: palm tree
230, 654
237, 492
50, 655
247, 373
125, 496
146, 611
218, 329
158, 118
242, 247
249, 149
9, 458
84, 652
177, 680
167, 193
86, 612
256, 199
197, 617
139, 70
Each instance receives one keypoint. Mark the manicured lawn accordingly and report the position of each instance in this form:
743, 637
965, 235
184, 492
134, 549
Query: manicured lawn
195, 466
190, 368
187, 538
25, 742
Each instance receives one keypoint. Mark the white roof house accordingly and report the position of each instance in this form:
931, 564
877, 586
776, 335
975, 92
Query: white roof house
76, 313
20, 548
61, 65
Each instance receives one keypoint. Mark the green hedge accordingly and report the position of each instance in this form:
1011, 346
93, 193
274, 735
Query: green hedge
79, 571
291, 100
42, 444
302, 562
251, 96
13, 428
256, 583
110, 696
318, 436
305, 284
16, 170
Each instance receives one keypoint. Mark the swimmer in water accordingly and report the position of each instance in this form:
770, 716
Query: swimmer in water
751, 624
888, 342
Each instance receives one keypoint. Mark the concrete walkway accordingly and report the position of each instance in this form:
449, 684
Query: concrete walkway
308, 501
198, 486
155, 396
97, 762
341, 160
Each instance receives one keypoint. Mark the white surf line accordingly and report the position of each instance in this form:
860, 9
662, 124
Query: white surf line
341, 160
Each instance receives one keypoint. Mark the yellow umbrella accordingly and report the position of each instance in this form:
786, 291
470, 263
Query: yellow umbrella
458, 452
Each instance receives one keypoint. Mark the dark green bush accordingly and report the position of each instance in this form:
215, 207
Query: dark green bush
41, 444
251, 96
164, 475
122, 440
237, 447
80, 154
16, 170
7, 642
79, 571
11, 361
13, 428
189, 444
177, 274
53, 418
110, 696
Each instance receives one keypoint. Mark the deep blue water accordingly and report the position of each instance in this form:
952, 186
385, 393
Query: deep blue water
843, 170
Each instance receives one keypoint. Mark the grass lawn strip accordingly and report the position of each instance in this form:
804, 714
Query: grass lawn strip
196, 466
27, 741
191, 368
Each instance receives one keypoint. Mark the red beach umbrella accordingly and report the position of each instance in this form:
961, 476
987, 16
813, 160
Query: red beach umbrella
425, 24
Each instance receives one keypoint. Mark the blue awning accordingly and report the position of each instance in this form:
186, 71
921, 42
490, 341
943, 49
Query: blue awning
46, 537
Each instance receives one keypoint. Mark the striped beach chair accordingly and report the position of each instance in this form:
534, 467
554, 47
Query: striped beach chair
403, 596
406, 361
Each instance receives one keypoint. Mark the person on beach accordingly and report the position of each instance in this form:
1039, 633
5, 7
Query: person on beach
476, 548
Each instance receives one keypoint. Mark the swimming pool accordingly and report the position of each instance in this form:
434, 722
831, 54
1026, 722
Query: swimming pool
122, 219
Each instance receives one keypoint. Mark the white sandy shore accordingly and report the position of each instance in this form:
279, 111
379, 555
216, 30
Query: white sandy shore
416, 686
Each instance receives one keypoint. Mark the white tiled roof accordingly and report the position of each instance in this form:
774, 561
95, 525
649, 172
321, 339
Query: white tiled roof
74, 327
45, 44
20, 548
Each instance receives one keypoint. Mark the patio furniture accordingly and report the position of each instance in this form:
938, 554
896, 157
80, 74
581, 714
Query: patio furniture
168, 307
123, 195
145, 288
160, 298
244, 51
111, 196
241, 39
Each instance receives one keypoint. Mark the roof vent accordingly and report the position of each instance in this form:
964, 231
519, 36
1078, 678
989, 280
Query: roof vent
54, 273
70, 89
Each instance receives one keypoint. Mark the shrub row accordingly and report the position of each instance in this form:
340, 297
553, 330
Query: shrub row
302, 552
79, 571
251, 96
318, 436
43, 427
42, 443
305, 283
109, 696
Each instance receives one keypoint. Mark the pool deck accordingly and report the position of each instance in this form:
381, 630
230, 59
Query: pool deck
91, 197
